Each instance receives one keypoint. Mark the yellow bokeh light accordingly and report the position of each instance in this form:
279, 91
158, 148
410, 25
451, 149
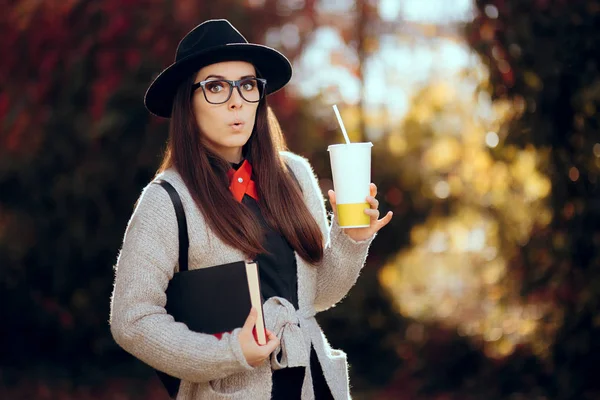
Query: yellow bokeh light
443, 154
397, 144
455, 271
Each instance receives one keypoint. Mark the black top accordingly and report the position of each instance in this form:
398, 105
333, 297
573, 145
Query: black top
277, 268
278, 274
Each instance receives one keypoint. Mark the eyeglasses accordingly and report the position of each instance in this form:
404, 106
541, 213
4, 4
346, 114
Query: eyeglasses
218, 91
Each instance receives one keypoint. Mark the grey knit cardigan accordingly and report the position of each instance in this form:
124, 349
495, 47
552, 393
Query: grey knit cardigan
212, 368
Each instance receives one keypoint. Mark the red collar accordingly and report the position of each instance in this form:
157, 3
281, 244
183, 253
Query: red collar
240, 182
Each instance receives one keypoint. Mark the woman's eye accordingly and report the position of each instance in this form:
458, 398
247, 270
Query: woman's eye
214, 87
248, 85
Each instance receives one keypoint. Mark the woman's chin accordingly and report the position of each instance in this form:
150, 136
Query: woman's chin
237, 140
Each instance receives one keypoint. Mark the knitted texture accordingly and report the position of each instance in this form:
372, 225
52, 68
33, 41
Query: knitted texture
217, 369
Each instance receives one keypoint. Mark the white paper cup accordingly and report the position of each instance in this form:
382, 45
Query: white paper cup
351, 171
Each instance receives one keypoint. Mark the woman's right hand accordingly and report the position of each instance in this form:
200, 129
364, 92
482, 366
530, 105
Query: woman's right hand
255, 354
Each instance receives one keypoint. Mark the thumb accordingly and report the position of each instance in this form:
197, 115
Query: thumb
251, 320
272, 344
332, 201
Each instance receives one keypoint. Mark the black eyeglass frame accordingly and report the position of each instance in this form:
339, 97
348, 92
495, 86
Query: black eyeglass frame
232, 84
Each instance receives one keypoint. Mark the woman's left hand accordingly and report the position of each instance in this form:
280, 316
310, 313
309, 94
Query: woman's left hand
359, 234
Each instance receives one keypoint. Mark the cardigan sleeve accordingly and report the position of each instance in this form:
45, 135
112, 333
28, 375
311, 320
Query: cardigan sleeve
343, 257
138, 320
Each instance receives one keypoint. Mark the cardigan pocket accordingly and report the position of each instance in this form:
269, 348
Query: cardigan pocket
338, 374
232, 384
241, 386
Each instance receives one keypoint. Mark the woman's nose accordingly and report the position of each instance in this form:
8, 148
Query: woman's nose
236, 100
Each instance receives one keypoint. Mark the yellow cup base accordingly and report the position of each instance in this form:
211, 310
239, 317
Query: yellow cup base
353, 215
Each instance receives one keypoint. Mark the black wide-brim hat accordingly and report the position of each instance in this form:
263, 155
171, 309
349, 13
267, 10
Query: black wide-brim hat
211, 42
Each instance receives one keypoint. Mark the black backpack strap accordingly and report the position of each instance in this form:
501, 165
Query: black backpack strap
184, 242
171, 383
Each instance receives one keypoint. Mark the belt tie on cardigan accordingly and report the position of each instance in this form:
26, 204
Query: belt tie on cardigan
282, 319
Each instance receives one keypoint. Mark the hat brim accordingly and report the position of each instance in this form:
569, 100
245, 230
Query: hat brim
271, 64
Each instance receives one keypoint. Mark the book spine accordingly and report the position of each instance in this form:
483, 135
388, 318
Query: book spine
255, 299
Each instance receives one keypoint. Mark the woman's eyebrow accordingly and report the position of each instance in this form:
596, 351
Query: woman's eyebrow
222, 77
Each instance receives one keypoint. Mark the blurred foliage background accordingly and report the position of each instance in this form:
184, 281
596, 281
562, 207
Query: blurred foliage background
484, 120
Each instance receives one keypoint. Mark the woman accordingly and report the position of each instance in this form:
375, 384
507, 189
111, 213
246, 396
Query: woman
244, 198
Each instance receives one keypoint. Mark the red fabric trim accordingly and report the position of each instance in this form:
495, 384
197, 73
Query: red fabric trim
246, 186
220, 335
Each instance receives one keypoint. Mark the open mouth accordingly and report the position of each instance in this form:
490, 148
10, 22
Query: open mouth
237, 125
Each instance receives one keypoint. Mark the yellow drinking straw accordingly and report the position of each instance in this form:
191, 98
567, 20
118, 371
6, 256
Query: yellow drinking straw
339, 118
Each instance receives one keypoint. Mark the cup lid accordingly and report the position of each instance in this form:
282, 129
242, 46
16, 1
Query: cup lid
362, 144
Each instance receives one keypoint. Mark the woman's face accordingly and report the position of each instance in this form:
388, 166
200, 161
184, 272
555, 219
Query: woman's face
225, 127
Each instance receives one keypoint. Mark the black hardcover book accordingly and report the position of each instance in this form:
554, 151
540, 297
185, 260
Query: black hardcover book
217, 299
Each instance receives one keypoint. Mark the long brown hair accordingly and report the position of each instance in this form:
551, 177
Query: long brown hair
205, 175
